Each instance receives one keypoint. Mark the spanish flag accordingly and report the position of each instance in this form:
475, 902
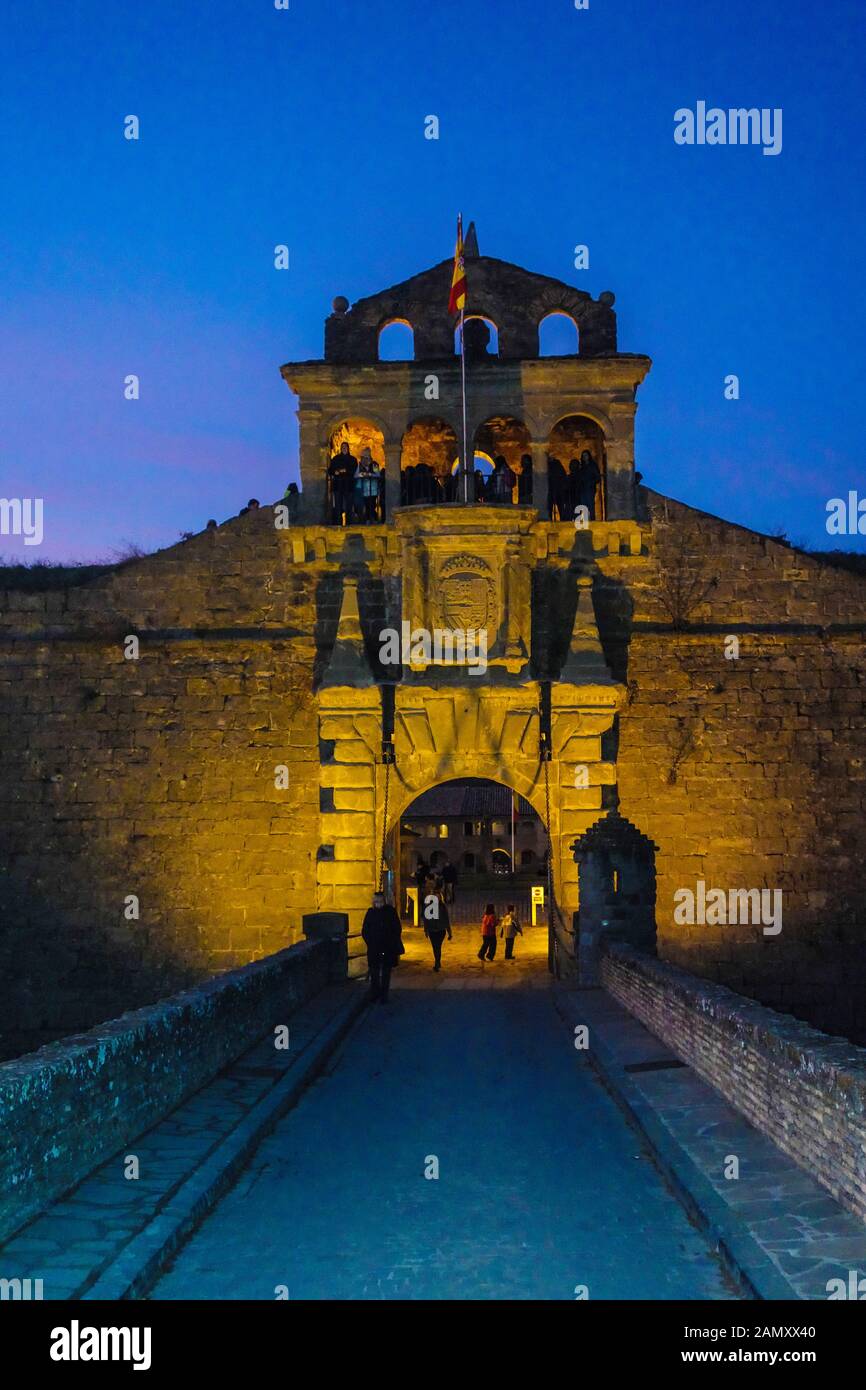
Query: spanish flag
457, 299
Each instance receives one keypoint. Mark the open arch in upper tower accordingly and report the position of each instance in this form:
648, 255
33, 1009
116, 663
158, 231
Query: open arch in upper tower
516, 300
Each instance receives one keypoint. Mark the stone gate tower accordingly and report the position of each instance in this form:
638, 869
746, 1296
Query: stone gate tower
540, 715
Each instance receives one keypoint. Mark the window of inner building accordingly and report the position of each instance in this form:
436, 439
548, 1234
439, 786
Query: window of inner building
443, 832
469, 861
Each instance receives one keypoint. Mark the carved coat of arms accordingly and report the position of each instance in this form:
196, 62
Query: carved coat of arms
466, 594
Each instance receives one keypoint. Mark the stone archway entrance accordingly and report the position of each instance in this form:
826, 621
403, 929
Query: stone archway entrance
469, 824
385, 739
474, 839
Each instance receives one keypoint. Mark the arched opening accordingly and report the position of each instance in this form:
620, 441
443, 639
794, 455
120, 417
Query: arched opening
396, 341
494, 849
426, 456
582, 481
505, 438
501, 861
557, 335
482, 337
356, 474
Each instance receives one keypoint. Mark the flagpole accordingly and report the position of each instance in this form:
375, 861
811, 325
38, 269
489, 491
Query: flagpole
463, 384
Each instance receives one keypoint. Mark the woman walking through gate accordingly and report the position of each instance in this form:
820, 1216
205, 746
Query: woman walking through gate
436, 923
489, 923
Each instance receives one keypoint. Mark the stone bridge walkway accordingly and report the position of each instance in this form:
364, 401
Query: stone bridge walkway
544, 1187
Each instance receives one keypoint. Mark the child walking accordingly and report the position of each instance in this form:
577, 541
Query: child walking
510, 929
489, 923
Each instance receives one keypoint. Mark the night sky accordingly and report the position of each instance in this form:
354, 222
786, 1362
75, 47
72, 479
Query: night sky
306, 127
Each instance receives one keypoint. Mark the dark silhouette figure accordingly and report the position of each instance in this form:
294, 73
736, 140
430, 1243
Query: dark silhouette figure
449, 880
588, 479
573, 485
524, 482
341, 473
381, 933
501, 483
557, 489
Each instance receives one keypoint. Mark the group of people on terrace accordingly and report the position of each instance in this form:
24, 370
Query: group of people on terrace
357, 492
356, 488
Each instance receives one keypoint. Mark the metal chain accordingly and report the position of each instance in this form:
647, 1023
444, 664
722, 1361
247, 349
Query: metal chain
384, 824
550, 933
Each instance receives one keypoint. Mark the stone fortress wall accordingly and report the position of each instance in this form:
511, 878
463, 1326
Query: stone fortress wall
156, 777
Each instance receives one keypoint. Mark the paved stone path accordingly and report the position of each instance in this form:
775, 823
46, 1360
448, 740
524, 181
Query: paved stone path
542, 1184
76, 1237
796, 1224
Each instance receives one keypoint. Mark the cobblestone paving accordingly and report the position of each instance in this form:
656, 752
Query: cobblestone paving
76, 1237
542, 1184
804, 1230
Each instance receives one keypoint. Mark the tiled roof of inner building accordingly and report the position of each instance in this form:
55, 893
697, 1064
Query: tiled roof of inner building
470, 799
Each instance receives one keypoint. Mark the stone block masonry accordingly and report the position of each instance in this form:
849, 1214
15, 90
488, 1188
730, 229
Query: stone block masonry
70, 1106
749, 771
804, 1090
155, 778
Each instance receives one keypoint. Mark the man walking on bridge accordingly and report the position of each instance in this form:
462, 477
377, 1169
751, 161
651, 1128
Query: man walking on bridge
382, 936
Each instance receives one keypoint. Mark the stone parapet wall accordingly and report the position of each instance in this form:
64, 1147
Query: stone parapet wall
802, 1088
70, 1106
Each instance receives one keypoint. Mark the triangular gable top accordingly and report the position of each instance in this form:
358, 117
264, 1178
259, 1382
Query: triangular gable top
514, 299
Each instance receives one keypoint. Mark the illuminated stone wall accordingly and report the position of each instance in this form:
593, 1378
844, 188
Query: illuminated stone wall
157, 777
751, 772
153, 777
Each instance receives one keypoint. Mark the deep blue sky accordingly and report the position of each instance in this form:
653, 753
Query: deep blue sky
261, 126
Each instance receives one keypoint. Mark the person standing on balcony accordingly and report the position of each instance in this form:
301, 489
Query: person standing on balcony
502, 480
524, 482
341, 472
366, 487
573, 485
588, 479
557, 489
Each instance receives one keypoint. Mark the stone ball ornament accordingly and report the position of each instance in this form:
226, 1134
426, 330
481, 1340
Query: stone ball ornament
340, 304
